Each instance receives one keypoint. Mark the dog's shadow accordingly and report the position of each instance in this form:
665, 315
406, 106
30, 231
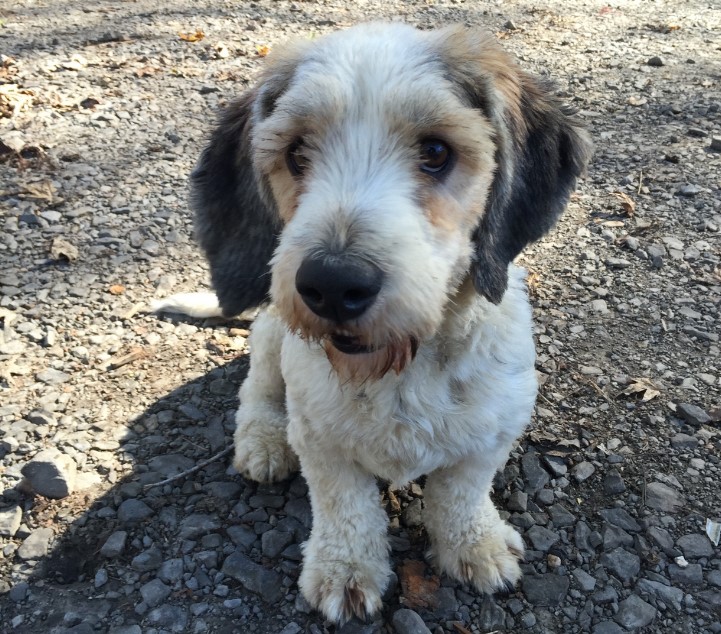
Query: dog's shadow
198, 519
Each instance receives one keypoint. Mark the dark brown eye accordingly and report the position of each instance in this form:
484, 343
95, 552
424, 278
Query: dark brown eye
296, 159
435, 156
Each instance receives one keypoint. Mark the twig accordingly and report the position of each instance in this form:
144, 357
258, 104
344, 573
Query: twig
591, 384
187, 472
640, 182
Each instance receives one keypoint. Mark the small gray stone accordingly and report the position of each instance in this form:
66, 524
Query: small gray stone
147, 560
412, 514
582, 538
52, 377
101, 578
634, 613
528, 620
154, 592
517, 502
274, 542
655, 61
446, 603
114, 545
291, 628
19, 592
586, 582
684, 441
623, 564
10, 519
715, 144
608, 627
264, 582
171, 570
207, 558
169, 617
542, 538
545, 590
621, 518
691, 575
663, 498
689, 190
561, 516
662, 538
198, 524
556, 464
170, 464
242, 536
695, 546
617, 263
409, 622
534, 474
132, 511
36, 544
51, 473
545, 497
714, 578
613, 483
667, 594
613, 537
299, 508
582, 471
693, 414
492, 616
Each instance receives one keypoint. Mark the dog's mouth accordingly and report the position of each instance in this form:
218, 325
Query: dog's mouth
348, 344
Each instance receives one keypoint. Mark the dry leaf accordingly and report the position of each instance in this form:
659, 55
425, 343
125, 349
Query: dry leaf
43, 190
533, 281
643, 387
62, 250
117, 289
262, 49
146, 71
627, 204
418, 590
663, 28
14, 99
635, 100
192, 37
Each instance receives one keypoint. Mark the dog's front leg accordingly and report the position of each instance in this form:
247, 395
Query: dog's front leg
345, 567
470, 541
262, 452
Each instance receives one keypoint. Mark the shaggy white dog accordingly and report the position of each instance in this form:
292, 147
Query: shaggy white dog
378, 183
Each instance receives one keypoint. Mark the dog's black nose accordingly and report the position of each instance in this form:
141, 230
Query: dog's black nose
338, 288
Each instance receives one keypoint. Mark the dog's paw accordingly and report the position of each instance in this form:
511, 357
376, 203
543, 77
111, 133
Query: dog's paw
489, 562
262, 452
343, 590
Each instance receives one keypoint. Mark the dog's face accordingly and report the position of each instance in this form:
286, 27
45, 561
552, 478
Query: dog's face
393, 165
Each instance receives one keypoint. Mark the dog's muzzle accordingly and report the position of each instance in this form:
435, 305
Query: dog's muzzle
339, 289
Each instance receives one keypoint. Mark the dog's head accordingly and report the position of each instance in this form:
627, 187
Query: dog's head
372, 171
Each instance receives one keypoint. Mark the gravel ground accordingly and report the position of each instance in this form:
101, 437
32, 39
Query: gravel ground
103, 110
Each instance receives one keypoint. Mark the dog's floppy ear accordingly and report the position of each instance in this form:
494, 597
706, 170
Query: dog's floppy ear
236, 221
234, 224
541, 149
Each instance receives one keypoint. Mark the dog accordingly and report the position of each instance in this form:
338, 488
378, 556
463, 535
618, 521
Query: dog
371, 191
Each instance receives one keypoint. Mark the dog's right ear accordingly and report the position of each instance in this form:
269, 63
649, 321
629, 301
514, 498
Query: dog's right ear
235, 223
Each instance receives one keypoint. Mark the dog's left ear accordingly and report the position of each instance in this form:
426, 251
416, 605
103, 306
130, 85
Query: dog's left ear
541, 149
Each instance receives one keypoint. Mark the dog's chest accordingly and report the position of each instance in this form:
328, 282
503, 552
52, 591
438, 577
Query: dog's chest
400, 427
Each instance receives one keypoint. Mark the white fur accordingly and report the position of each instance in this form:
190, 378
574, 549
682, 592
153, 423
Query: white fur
359, 104
396, 428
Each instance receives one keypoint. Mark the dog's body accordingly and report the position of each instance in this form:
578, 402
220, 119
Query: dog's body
387, 177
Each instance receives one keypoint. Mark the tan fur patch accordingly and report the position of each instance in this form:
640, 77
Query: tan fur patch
359, 368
